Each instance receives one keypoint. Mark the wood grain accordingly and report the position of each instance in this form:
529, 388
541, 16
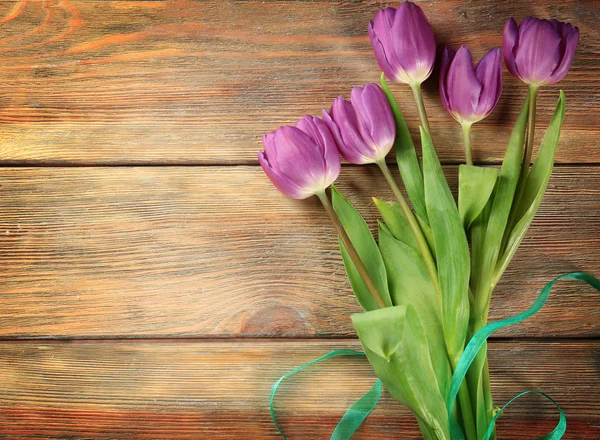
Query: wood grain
217, 251
198, 82
211, 259
185, 390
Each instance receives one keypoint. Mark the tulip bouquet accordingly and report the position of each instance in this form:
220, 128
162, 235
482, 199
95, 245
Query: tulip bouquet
425, 284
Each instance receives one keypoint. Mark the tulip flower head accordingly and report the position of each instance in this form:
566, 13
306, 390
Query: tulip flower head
364, 128
539, 51
403, 43
470, 93
303, 160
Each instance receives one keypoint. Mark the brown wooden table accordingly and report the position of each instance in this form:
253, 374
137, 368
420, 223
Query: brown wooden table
154, 284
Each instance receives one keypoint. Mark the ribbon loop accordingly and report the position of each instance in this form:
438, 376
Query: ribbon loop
354, 416
556, 434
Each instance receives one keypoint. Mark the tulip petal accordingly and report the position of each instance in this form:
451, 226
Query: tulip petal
568, 53
343, 123
374, 110
525, 24
489, 74
282, 183
509, 41
270, 150
462, 84
299, 158
364, 123
307, 126
330, 151
414, 42
537, 53
447, 57
380, 34
320, 134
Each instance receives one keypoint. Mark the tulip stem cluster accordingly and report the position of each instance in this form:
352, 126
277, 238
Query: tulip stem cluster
360, 267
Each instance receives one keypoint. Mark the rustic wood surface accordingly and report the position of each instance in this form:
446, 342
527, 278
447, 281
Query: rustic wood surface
191, 390
173, 282
187, 251
198, 82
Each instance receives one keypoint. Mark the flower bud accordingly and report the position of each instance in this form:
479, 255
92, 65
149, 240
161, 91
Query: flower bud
539, 51
364, 128
302, 160
404, 43
470, 93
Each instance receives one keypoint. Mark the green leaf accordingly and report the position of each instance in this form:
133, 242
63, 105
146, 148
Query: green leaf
396, 221
408, 372
492, 231
367, 249
452, 250
406, 156
535, 186
477, 230
408, 278
475, 186
410, 285
381, 330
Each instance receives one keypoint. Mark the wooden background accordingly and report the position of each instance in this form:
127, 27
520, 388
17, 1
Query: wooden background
153, 282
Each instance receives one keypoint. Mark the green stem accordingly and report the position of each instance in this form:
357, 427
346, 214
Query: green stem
466, 409
416, 88
428, 433
414, 227
478, 381
360, 267
487, 395
530, 131
466, 129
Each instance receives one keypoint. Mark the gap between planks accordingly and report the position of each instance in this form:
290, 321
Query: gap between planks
127, 339
8, 165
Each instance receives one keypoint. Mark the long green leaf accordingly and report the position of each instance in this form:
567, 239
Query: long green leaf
475, 186
451, 248
535, 186
393, 339
498, 217
396, 221
477, 232
410, 284
367, 249
406, 156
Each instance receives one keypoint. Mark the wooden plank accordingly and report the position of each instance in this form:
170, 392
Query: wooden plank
217, 251
168, 390
97, 82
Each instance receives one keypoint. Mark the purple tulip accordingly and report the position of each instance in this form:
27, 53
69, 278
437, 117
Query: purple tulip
404, 43
364, 128
539, 51
303, 160
470, 93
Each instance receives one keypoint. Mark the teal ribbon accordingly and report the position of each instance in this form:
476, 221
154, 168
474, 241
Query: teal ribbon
358, 412
556, 433
353, 417
481, 337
